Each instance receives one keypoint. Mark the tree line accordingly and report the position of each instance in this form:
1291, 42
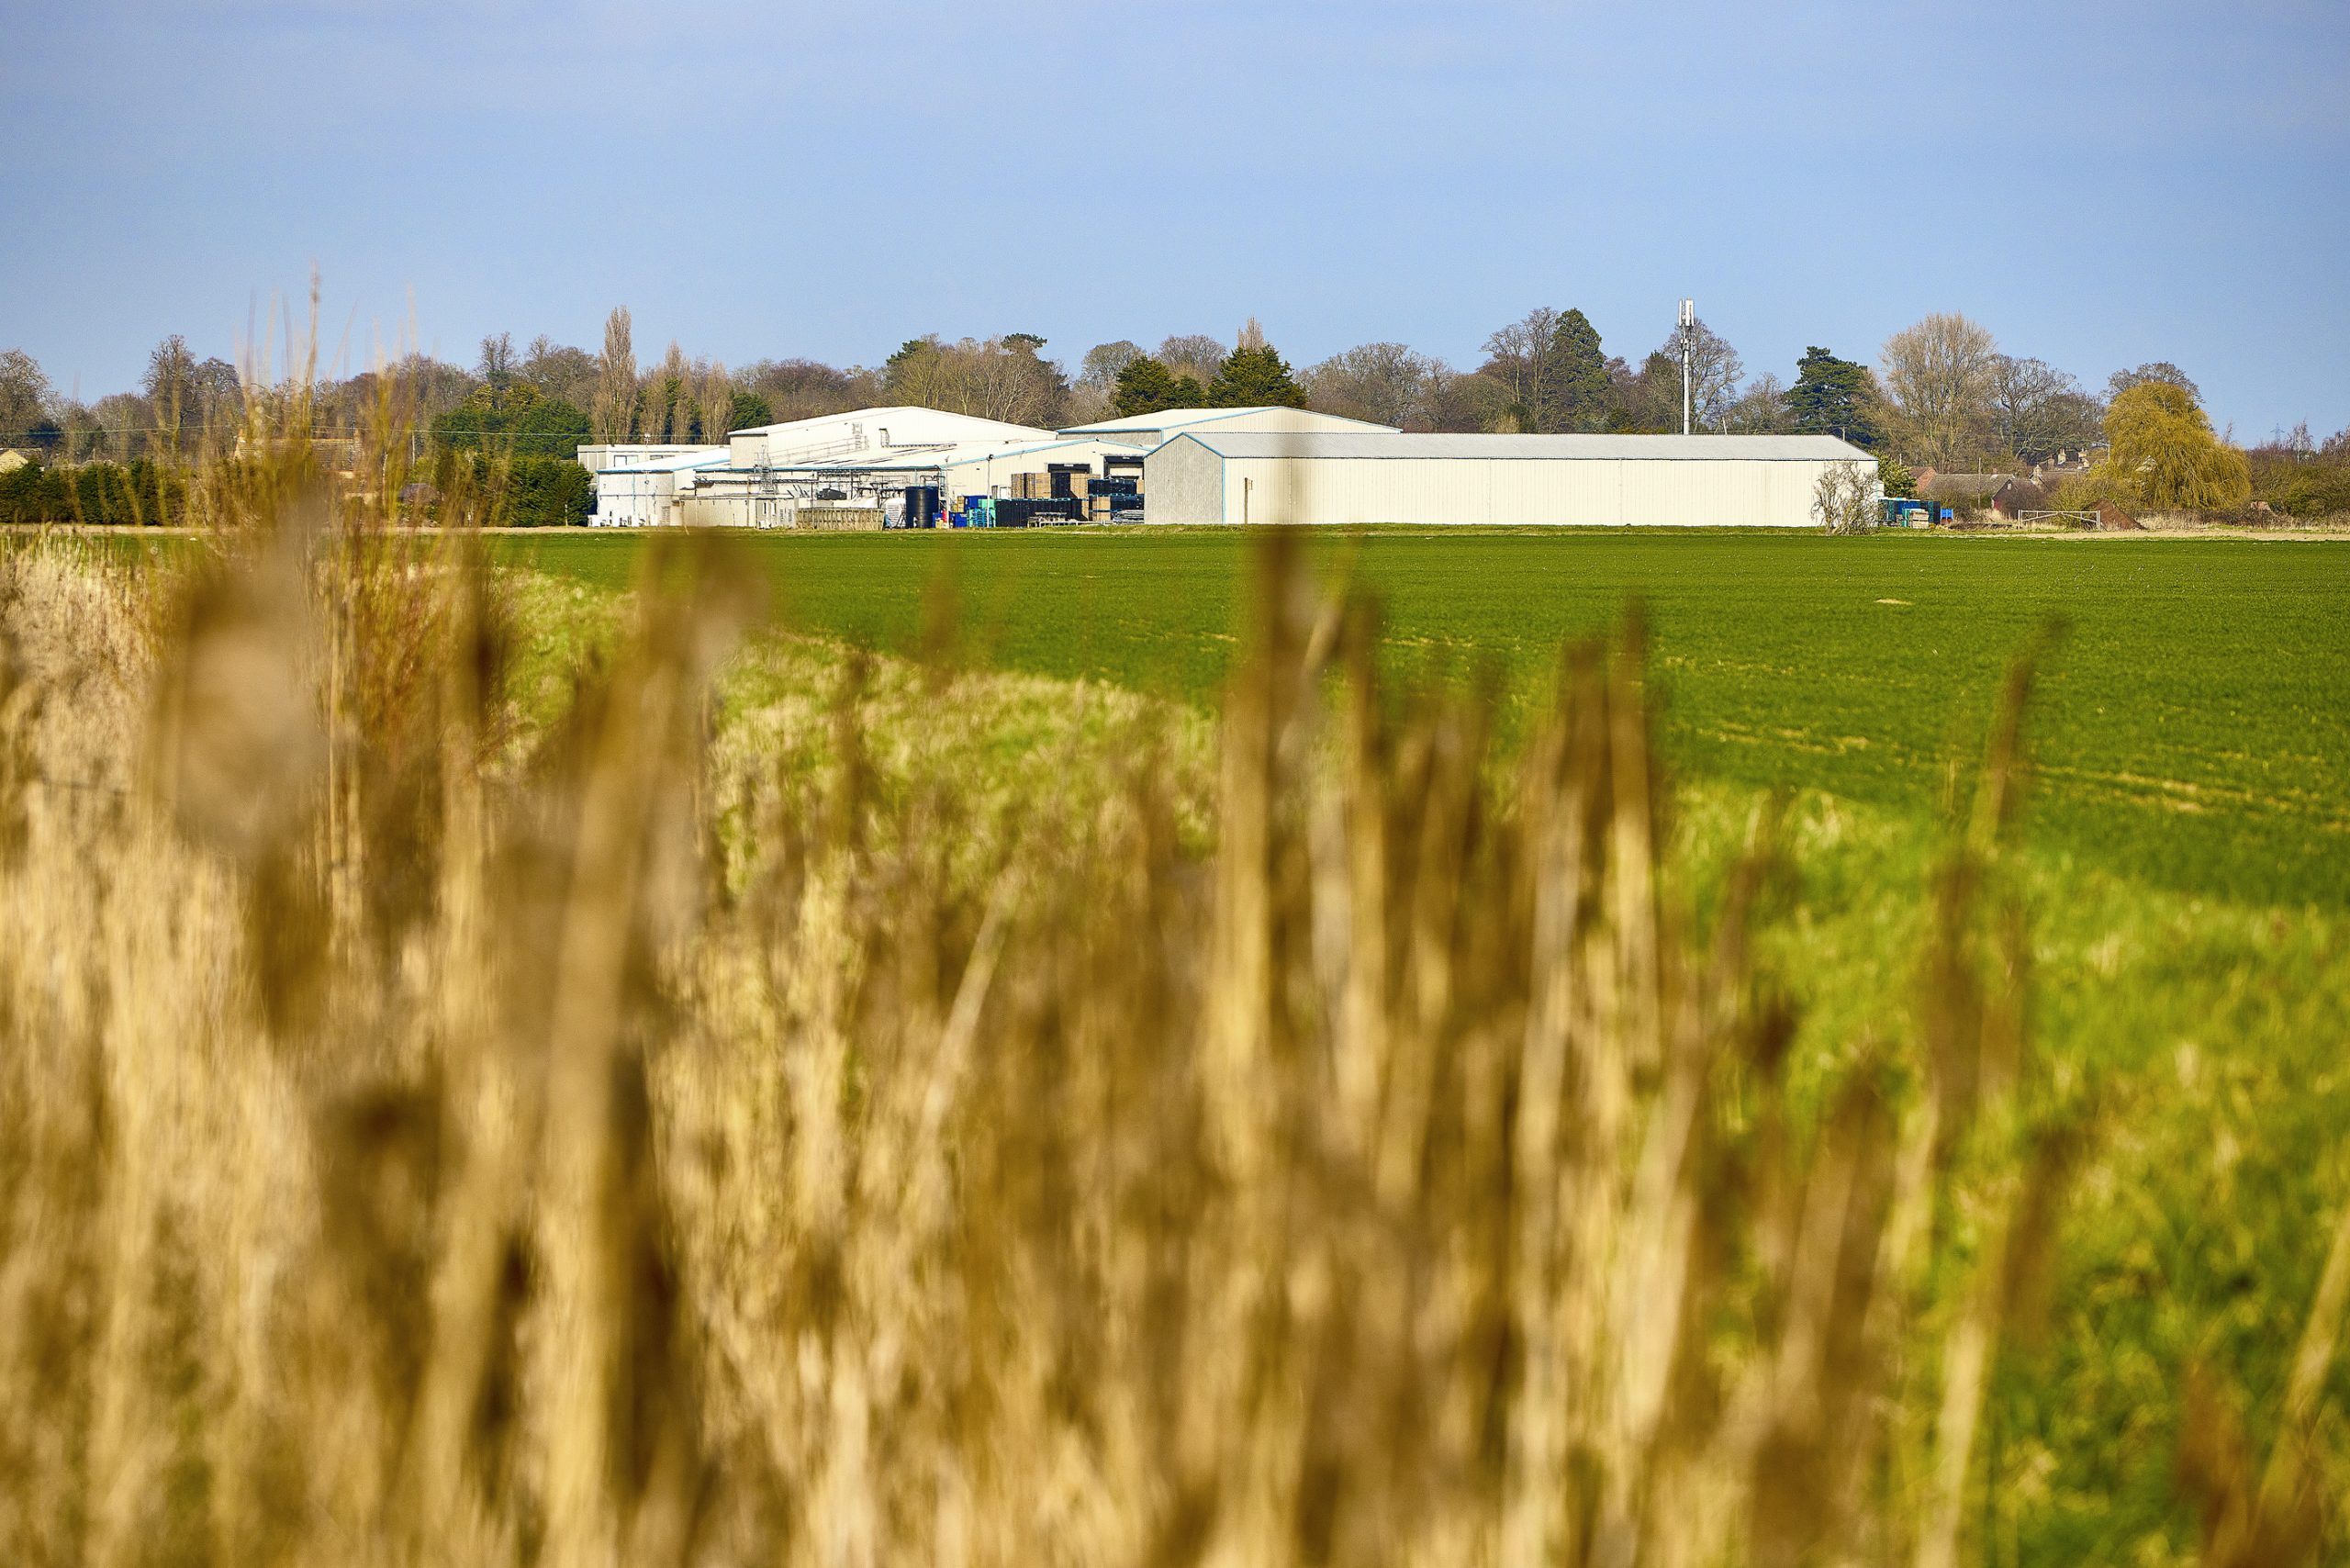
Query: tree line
1942, 394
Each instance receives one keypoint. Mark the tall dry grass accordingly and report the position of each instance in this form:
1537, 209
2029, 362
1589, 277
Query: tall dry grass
425, 1142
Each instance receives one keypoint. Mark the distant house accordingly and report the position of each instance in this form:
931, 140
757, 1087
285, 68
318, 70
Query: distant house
11, 460
2006, 495
2065, 465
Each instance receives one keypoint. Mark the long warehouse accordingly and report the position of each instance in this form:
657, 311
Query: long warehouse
1766, 481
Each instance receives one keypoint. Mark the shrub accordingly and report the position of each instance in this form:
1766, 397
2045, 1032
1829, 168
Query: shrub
547, 492
2087, 491
2312, 489
109, 494
34, 494
1845, 500
521, 491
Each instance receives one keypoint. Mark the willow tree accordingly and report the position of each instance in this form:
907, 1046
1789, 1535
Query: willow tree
2162, 450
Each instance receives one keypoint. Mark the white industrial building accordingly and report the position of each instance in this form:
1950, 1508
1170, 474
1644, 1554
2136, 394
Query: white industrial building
1215, 466
762, 475
1768, 481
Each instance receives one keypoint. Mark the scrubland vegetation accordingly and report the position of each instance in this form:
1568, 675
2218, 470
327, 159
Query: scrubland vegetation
503, 1067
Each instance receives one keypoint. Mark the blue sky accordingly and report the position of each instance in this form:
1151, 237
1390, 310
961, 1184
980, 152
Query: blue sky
2099, 184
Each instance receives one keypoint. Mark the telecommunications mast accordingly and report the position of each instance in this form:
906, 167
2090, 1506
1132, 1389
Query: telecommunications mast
1688, 342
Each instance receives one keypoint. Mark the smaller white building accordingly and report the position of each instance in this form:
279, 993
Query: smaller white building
611, 457
640, 487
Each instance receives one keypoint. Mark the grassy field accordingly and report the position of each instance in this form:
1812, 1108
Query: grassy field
2187, 863
2192, 727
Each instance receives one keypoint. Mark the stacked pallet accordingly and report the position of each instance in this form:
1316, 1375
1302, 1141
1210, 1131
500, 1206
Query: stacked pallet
838, 520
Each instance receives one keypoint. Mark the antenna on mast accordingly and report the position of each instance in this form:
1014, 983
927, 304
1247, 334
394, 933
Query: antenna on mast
1688, 342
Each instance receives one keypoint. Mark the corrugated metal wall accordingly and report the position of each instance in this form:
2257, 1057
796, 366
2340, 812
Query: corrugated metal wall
1184, 483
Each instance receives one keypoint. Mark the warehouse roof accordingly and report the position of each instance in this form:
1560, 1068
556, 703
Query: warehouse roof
1189, 418
895, 411
906, 459
1678, 448
676, 463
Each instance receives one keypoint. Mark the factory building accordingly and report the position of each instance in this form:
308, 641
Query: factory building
762, 475
915, 486
918, 467
1205, 475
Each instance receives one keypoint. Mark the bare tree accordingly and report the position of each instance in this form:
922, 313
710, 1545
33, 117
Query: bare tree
1761, 410
1648, 400
669, 397
1458, 399
717, 403
1092, 396
997, 379
1715, 371
1387, 384
124, 421
1521, 359
2120, 381
806, 389
2037, 410
1194, 354
613, 417
564, 373
496, 366
23, 396
170, 387
1099, 367
412, 390
1938, 377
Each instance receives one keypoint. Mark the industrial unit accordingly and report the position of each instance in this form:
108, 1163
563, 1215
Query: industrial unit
1206, 476
640, 487
911, 467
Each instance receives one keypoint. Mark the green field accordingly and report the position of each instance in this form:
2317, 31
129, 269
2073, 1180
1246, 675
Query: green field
2186, 870
2192, 728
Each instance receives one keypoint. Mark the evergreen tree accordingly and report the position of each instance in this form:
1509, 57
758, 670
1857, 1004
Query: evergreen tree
517, 420
1583, 392
751, 411
1146, 387
1834, 396
1255, 377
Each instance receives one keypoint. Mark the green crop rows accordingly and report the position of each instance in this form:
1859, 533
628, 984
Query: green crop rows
2191, 727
